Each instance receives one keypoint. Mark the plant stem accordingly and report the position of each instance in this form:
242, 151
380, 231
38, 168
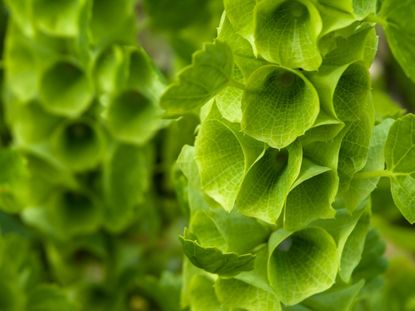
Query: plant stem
374, 174
376, 19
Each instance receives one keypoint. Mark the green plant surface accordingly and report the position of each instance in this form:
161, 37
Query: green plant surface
295, 139
194, 155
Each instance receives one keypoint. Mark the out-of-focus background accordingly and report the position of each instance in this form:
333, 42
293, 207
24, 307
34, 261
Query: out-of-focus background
88, 214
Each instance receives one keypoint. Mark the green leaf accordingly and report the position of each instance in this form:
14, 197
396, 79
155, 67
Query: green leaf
286, 33
267, 183
234, 293
209, 73
399, 156
311, 197
301, 264
284, 94
65, 89
213, 260
399, 29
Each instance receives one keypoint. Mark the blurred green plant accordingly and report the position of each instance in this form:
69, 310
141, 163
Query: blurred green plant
83, 184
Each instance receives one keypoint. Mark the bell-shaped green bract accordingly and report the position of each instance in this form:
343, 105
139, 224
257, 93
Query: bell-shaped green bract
396, 19
13, 174
241, 16
361, 45
278, 106
66, 213
126, 180
31, 124
21, 276
45, 176
301, 264
352, 93
311, 196
209, 73
74, 212
360, 188
21, 63
22, 14
343, 297
349, 231
132, 117
236, 294
214, 261
65, 89
353, 247
223, 155
286, 33
268, 182
399, 156
122, 17
358, 8
141, 74
79, 145
109, 70
373, 263
215, 227
243, 54
60, 17
120, 68
202, 295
